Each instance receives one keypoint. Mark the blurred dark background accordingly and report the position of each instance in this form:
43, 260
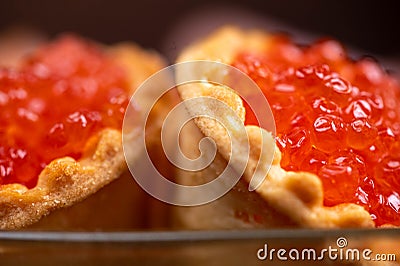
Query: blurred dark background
368, 25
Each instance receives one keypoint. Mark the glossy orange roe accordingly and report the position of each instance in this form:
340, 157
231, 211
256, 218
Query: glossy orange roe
336, 118
61, 96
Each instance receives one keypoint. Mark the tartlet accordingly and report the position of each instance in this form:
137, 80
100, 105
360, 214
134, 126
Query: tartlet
296, 192
69, 175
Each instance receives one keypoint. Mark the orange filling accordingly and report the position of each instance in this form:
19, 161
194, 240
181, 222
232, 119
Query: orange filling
61, 96
336, 118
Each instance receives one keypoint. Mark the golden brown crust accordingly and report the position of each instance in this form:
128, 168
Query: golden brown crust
62, 183
66, 181
117, 206
237, 209
298, 195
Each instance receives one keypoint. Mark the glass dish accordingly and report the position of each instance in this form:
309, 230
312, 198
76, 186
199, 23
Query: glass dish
244, 247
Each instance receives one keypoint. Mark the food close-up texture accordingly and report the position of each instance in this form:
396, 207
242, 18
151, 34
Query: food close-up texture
336, 118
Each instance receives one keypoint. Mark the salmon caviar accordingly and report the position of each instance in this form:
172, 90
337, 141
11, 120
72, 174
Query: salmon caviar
62, 95
336, 118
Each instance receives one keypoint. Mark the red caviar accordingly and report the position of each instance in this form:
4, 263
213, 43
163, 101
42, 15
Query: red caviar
61, 96
336, 118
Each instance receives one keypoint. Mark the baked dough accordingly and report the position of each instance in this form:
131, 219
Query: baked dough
297, 196
65, 181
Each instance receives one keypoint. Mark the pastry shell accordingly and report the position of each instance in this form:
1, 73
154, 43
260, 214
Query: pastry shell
296, 196
65, 181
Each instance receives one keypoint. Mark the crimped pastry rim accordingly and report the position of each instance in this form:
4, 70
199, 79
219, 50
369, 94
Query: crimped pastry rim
299, 195
66, 181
